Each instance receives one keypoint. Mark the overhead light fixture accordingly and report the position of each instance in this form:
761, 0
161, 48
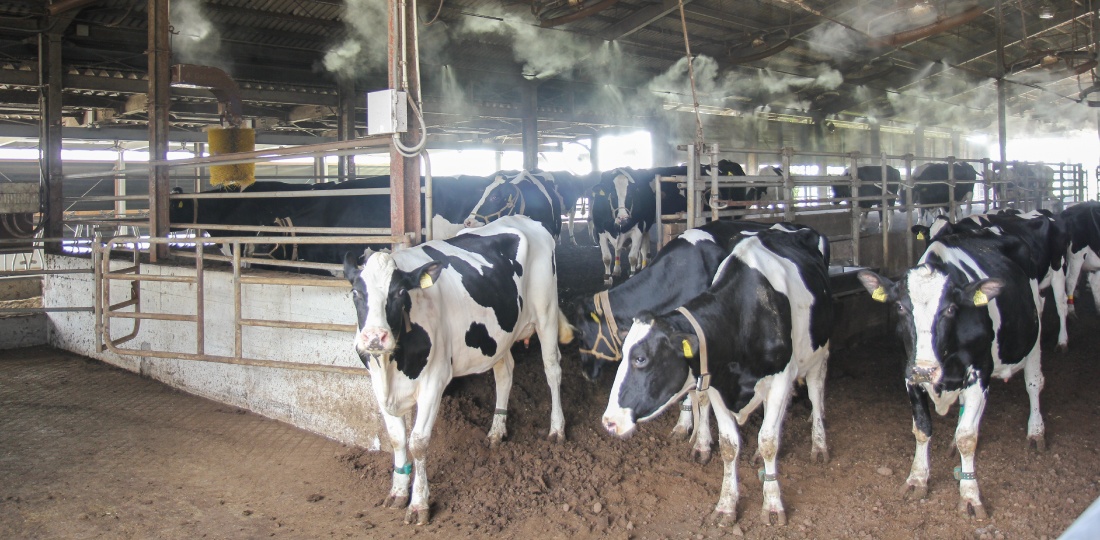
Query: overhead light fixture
1046, 11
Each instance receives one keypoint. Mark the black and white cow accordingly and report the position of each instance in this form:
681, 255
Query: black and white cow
526, 193
764, 323
1047, 243
572, 187
624, 207
740, 197
930, 188
449, 308
1082, 225
968, 313
1021, 185
872, 186
682, 270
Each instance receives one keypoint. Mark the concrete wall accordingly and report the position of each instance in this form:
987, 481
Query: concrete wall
338, 406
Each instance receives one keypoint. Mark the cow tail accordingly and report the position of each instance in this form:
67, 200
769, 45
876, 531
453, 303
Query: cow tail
565, 330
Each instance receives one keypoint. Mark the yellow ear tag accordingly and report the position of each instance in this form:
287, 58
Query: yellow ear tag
687, 350
426, 280
601, 193
181, 204
879, 295
920, 236
594, 317
980, 299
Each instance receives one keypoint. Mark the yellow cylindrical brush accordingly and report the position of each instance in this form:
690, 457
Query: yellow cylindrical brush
228, 141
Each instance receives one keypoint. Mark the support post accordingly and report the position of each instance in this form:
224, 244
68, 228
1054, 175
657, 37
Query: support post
530, 112
49, 136
160, 78
345, 126
404, 73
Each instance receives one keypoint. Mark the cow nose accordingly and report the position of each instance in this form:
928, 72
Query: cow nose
375, 339
925, 372
471, 223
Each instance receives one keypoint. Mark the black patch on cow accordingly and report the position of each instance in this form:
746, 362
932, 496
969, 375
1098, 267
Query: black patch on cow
496, 288
477, 337
412, 351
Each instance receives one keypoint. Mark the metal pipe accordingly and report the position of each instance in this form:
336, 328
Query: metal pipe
938, 27
579, 14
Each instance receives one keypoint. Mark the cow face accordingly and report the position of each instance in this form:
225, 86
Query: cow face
653, 375
181, 210
501, 198
381, 293
622, 198
930, 307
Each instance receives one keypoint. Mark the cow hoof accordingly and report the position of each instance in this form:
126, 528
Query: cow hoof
756, 458
780, 517
723, 519
680, 433
494, 443
965, 508
419, 516
701, 456
1039, 442
1063, 347
607, 280
823, 452
556, 437
396, 501
913, 491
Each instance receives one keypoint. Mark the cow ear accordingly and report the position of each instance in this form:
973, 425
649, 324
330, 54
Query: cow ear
177, 190
687, 344
351, 267
881, 289
427, 275
981, 292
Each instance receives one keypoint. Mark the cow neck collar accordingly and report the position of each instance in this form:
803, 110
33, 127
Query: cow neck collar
703, 382
603, 309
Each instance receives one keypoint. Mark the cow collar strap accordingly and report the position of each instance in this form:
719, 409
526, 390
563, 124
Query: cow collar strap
603, 309
703, 382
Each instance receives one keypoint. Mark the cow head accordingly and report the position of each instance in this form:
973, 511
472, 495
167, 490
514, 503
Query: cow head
930, 306
599, 343
382, 296
181, 210
622, 197
501, 198
653, 375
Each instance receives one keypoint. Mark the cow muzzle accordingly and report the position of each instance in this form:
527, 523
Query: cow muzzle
619, 423
924, 372
374, 342
472, 223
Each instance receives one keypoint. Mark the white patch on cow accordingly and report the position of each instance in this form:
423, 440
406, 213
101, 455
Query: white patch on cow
622, 182
926, 289
537, 180
616, 419
443, 229
936, 227
694, 236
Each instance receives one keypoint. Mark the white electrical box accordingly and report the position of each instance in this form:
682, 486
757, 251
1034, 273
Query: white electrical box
387, 112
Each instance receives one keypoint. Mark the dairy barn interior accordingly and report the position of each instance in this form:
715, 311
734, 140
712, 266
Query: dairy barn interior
154, 385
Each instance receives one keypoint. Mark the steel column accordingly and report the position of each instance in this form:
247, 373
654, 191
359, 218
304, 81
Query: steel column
345, 126
404, 73
530, 113
160, 77
49, 136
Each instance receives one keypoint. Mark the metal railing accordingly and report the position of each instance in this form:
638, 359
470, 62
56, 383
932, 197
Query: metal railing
106, 311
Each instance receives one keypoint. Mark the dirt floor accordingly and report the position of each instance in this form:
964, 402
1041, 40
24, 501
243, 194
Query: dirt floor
89, 451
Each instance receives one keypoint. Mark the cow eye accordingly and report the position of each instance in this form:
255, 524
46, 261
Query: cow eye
401, 291
901, 309
950, 310
356, 294
639, 361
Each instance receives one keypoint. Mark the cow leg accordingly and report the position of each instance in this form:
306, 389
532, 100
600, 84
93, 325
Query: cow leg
972, 402
551, 364
729, 441
1093, 279
427, 408
922, 432
606, 243
1033, 382
1061, 305
701, 448
402, 473
682, 430
572, 238
1073, 274
502, 372
775, 407
637, 238
620, 241
815, 386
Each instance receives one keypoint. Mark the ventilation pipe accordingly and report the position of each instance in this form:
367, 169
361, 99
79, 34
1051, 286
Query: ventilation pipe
938, 27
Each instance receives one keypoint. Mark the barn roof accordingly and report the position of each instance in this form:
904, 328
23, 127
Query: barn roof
597, 64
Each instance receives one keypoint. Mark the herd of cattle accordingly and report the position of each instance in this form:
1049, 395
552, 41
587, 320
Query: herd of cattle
726, 318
